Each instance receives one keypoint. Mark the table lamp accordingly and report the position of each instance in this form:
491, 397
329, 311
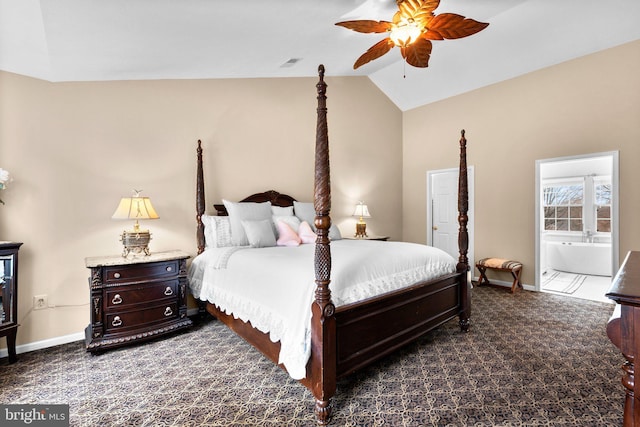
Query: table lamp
135, 241
362, 211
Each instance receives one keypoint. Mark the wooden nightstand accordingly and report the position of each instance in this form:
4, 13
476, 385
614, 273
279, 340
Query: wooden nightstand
135, 299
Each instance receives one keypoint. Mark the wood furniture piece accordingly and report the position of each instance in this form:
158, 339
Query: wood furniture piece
347, 338
623, 330
499, 264
135, 299
9, 295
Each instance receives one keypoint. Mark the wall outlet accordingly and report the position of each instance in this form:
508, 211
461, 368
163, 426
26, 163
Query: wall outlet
40, 302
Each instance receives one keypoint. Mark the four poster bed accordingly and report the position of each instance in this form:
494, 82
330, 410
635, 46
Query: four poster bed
342, 334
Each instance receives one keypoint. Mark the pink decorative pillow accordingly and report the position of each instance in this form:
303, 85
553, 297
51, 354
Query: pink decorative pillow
306, 233
287, 237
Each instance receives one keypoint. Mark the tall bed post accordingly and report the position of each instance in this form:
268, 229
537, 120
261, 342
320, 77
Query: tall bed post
463, 236
200, 205
322, 365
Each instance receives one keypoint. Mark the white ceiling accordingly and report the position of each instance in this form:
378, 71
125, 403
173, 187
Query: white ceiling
87, 40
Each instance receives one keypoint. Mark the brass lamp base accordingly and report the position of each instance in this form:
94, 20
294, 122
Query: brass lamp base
135, 242
361, 230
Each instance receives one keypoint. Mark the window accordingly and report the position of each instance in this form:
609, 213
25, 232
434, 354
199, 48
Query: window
602, 206
563, 207
578, 204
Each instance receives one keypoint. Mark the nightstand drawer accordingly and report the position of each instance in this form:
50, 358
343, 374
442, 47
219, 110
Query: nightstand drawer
123, 320
123, 296
134, 272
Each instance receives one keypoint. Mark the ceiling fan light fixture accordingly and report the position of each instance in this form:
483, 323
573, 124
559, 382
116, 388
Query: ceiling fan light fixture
405, 33
412, 29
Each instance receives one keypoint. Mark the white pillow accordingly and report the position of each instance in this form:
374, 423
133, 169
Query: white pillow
259, 233
245, 211
307, 212
217, 231
334, 233
282, 210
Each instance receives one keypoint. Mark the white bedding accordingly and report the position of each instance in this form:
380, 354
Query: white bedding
273, 287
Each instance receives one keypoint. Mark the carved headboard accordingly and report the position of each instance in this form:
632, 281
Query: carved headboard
276, 199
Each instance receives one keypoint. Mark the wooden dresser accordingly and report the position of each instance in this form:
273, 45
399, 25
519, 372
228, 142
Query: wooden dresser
137, 298
623, 330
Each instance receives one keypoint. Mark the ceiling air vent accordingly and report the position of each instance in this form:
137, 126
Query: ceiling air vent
290, 63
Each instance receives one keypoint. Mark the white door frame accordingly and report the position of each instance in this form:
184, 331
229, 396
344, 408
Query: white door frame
470, 213
615, 208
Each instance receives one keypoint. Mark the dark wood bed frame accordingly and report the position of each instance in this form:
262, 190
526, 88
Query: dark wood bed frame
347, 338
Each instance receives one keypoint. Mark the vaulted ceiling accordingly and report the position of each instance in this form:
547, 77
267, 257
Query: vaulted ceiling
88, 40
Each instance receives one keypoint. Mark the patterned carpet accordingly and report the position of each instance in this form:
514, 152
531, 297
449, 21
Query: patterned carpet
531, 359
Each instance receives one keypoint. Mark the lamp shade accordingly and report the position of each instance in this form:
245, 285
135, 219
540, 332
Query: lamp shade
135, 208
361, 211
135, 241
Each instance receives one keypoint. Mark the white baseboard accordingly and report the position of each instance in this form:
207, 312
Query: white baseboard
52, 342
39, 345
508, 284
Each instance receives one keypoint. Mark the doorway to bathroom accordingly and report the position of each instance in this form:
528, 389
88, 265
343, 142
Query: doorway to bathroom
577, 225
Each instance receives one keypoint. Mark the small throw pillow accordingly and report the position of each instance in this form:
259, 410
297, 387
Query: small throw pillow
290, 220
287, 236
306, 234
259, 233
245, 211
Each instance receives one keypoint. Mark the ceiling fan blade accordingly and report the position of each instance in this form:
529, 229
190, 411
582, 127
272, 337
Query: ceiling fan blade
430, 5
418, 53
366, 26
412, 7
452, 26
374, 52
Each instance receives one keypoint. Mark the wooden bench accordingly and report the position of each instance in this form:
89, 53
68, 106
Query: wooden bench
499, 264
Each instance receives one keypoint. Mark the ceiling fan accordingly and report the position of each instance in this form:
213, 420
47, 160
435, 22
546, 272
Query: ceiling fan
412, 28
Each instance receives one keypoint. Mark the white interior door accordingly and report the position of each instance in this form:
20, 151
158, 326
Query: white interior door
442, 217
444, 210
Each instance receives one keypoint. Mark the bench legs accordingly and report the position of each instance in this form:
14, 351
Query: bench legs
515, 272
516, 279
483, 277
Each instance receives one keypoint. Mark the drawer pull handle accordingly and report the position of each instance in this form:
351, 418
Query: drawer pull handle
168, 311
168, 291
169, 269
116, 321
117, 299
116, 275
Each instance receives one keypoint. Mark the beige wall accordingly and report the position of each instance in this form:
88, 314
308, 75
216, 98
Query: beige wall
588, 105
74, 149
